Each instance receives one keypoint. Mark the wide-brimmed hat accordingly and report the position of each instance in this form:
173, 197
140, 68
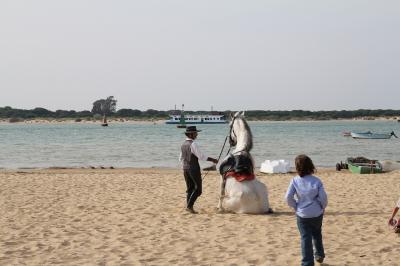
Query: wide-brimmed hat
192, 129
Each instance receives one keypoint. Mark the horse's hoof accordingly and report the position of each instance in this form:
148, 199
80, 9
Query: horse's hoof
270, 211
220, 210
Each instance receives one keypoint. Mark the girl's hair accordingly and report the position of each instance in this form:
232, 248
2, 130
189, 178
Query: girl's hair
304, 165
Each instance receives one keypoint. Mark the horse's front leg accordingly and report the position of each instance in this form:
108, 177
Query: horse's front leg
221, 194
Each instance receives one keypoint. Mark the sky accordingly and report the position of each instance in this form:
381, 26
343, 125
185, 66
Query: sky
220, 54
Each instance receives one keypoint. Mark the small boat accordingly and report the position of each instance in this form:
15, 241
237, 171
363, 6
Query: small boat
349, 134
370, 135
346, 134
104, 124
182, 123
362, 165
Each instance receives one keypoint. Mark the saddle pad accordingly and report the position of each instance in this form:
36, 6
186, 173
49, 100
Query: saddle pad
240, 176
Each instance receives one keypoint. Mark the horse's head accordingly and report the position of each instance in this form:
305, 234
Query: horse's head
240, 132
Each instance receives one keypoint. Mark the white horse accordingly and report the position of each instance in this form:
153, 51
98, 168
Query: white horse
248, 196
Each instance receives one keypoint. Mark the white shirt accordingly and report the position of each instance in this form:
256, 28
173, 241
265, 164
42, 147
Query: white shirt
398, 204
194, 148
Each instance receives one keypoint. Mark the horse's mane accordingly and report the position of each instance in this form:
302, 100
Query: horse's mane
248, 145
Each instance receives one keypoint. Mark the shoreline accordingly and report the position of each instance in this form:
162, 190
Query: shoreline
100, 168
72, 121
157, 168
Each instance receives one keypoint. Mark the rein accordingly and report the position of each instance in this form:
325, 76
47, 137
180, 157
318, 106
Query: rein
223, 146
231, 131
219, 157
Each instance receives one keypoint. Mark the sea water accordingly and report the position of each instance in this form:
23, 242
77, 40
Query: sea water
148, 145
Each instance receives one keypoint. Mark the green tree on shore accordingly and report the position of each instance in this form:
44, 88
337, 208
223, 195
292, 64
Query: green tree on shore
105, 106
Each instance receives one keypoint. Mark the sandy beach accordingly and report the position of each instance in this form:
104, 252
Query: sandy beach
137, 217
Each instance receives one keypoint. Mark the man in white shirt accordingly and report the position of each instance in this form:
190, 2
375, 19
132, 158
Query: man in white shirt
190, 156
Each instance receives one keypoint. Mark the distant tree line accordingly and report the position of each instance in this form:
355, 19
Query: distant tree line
320, 115
9, 112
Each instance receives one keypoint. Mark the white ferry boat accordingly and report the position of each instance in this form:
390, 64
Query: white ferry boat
197, 119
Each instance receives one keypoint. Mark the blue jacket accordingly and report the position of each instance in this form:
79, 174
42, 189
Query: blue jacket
311, 198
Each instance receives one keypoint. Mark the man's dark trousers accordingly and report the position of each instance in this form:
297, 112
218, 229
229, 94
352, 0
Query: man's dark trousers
193, 185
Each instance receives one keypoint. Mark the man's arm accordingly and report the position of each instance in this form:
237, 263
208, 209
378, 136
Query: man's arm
393, 215
212, 160
196, 151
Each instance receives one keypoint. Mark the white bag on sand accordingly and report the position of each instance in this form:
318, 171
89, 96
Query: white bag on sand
389, 165
275, 166
246, 196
